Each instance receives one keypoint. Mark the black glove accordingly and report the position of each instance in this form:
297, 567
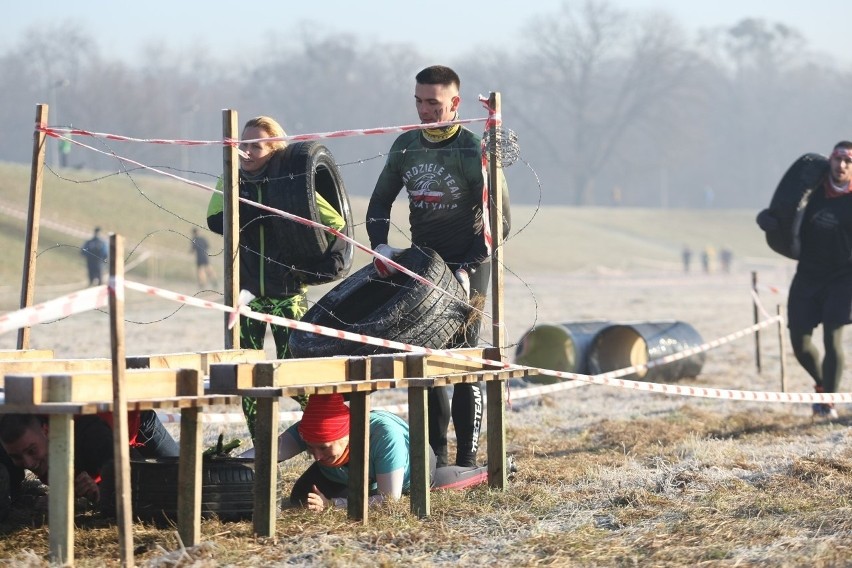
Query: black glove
292, 281
767, 221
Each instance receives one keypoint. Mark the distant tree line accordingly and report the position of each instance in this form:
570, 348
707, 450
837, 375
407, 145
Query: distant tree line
611, 107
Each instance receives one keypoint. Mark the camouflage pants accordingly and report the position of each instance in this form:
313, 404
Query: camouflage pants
253, 332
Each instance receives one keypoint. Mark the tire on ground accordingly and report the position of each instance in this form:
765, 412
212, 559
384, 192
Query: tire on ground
312, 169
398, 308
790, 200
227, 489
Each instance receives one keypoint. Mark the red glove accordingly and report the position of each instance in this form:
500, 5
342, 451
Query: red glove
384, 269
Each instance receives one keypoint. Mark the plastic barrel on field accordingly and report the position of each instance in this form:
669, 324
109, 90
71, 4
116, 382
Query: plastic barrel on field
557, 347
629, 344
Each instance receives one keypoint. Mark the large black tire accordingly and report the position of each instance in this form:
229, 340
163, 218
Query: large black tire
303, 171
312, 168
227, 489
398, 308
790, 200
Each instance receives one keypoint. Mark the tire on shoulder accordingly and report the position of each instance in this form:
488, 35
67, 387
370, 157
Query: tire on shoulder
399, 308
313, 170
790, 200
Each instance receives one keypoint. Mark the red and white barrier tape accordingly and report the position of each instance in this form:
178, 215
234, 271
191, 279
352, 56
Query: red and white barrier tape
494, 121
59, 132
772, 289
96, 297
74, 303
239, 418
285, 214
607, 379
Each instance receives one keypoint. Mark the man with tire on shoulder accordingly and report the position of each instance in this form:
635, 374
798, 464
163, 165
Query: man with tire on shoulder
821, 291
441, 170
24, 446
276, 260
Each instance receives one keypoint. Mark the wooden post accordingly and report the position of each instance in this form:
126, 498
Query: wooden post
266, 455
61, 465
189, 465
496, 389
231, 223
359, 444
782, 349
33, 217
756, 319
418, 423
120, 434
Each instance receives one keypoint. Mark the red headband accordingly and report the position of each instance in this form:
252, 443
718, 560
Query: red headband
841, 153
326, 419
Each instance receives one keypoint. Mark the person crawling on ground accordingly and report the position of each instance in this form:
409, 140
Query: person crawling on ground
24, 446
324, 433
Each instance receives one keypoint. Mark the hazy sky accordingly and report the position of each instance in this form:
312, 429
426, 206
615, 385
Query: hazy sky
438, 28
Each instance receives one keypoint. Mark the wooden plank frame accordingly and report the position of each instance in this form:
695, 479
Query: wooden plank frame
189, 397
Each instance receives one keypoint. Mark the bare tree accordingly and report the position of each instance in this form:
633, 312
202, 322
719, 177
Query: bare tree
598, 74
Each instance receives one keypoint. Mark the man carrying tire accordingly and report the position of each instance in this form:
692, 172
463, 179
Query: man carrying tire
279, 257
821, 291
441, 169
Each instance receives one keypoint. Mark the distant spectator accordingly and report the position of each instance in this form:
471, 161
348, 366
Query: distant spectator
708, 255
204, 270
96, 252
726, 256
686, 256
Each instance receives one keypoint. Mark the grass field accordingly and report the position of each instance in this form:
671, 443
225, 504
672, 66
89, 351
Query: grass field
155, 214
607, 476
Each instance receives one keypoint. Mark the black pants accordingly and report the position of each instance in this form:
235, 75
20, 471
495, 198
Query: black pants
467, 402
155, 441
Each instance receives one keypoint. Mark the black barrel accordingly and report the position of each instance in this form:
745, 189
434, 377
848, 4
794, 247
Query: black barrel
625, 345
557, 347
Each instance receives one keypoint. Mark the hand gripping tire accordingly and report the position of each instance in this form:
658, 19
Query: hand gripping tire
399, 308
227, 489
790, 200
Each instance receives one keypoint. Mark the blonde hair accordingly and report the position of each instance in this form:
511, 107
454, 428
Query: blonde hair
271, 127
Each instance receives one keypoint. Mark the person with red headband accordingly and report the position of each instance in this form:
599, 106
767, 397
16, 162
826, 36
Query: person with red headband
324, 433
441, 171
821, 291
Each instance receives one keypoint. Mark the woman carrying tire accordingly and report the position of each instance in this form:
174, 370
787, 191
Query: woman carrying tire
279, 257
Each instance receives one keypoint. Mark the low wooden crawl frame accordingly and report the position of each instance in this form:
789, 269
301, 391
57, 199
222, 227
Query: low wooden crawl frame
64, 393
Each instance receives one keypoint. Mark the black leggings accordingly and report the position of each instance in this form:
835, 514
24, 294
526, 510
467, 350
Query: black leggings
826, 373
467, 405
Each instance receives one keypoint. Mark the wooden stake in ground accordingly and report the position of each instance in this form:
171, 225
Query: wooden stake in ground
33, 216
120, 434
756, 319
231, 223
782, 349
496, 389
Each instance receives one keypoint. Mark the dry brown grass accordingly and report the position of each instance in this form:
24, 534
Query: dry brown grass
694, 486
